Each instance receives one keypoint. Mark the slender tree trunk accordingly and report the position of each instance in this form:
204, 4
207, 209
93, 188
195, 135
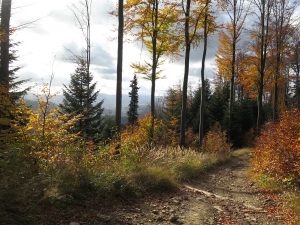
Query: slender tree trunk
232, 96
5, 99
5, 25
83, 18
297, 84
277, 74
154, 65
297, 69
202, 104
119, 69
265, 16
278, 33
88, 37
186, 74
259, 104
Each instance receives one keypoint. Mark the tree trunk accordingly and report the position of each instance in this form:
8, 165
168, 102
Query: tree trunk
154, 65
119, 69
297, 84
88, 37
186, 74
5, 25
264, 19
232, 96
277, 74
202, 104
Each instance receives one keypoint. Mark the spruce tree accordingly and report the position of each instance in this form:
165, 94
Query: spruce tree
193, 113
134, 101
79, 97
218, 105
15, 90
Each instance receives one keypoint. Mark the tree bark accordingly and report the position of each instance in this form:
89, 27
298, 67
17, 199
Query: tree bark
119, 69
232, 96
186, 74
5, 26
202, 104
265, 11
154, 65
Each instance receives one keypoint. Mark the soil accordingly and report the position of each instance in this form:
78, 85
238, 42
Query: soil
222, 195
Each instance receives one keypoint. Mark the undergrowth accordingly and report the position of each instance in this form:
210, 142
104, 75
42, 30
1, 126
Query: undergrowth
275, 164
101, 173
43, 164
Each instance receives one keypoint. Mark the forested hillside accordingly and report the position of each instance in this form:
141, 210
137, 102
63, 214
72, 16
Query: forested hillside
66, 153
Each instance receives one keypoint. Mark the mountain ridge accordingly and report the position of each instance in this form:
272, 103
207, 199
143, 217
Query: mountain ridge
108, 103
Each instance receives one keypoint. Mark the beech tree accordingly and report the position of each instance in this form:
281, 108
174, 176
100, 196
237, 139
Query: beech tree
261, 37
152, 23
229, 38
119, 68
192, 11
208, 28
295, 65
281, 28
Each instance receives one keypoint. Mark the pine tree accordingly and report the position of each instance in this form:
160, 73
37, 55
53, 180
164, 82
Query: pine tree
134, 101
79, 97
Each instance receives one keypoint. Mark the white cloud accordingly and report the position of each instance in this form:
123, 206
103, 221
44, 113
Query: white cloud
45, 39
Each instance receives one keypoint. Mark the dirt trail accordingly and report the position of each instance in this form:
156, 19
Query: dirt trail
221, 196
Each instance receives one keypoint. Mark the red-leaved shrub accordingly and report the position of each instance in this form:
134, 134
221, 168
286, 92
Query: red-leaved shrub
277, 149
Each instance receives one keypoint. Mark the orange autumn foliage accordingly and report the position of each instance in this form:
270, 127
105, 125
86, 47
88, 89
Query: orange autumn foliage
138, 136
39, 135
215, 141
277, 150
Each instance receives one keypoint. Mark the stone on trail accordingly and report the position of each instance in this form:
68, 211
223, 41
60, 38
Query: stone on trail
74, 223
104, 218
173, 218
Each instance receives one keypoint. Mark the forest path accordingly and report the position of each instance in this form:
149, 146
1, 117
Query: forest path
222, 195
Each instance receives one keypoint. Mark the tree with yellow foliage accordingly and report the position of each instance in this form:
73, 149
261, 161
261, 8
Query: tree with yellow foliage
192, 15
281, 28
208, 28
229, 39
151, 22
260, 35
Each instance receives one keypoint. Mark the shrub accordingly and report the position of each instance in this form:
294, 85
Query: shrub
215, 141
277, 149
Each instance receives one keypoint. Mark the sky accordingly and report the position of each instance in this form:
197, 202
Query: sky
42, 49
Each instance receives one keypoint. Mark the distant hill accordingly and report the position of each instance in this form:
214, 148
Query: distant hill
108, 104
34, 104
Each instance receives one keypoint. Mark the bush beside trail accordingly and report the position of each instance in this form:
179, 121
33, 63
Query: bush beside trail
37, 170
277, 150
276, 160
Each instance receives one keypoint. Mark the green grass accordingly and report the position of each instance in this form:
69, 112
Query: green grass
293, 203
240, 152
134, 173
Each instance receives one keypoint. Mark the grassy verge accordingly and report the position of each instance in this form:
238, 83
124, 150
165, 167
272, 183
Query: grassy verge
130, 174
285, 191
240, 152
